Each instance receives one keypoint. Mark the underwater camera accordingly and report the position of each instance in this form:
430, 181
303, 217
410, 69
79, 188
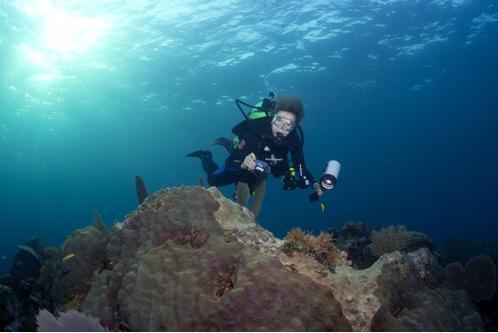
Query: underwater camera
261, 170
328, 179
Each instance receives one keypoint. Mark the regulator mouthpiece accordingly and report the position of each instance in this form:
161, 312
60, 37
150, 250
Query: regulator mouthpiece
279, 139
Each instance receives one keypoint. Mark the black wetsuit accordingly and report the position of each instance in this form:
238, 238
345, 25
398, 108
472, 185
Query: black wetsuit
260, 141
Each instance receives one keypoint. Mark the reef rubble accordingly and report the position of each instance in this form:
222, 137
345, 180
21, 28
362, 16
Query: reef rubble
189, 259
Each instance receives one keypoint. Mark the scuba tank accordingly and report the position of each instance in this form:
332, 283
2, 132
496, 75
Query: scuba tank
262, 109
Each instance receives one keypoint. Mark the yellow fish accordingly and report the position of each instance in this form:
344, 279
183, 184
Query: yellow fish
322, 207
68, 256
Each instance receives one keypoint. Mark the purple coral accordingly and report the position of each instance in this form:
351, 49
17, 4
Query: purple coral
69, 321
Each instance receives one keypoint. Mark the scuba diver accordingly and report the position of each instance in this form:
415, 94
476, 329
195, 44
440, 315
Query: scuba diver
262, 144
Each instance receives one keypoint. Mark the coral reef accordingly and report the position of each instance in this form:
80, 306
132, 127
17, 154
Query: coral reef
320, 247
396, 238
27, 261
8, 306
353, 238
478, 277
461, 250
174, 266
189, 259
85, 249
487, 308
413, 299
51, 278
20, 291
239, 222
454, 275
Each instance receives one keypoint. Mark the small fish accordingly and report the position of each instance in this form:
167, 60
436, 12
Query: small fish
68, 256
322, 207
2, 257
30, 250
437, 254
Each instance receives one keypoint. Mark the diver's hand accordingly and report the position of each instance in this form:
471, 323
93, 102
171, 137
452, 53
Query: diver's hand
318, 189
249, 162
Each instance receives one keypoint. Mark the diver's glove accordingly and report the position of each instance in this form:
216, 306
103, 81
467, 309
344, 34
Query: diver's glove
317, 193
318, 189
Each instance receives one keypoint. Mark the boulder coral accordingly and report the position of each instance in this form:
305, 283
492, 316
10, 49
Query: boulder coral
174, 267
189, 259
413, 297
396, 238
478, 277
68, 273
353, 238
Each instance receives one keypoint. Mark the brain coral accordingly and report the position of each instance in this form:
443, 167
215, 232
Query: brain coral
175, 268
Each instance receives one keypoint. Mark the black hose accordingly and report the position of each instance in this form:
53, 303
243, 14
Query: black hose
301, 135
238, 102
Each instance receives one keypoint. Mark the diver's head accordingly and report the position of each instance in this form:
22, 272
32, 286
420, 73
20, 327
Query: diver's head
283, 122
290, 104
289, 111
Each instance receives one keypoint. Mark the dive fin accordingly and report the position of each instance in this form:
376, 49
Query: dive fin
224, 142
202, 154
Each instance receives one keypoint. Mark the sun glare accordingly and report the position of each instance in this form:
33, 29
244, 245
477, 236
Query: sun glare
62, 33
69, 33
33, 55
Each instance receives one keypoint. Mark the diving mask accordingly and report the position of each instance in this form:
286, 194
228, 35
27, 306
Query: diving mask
283, 123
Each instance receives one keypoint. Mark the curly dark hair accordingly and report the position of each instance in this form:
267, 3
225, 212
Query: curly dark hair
290, 104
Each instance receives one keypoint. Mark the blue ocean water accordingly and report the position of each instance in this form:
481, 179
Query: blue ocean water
403, 93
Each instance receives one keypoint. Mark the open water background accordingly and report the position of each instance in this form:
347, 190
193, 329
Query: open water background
403, 93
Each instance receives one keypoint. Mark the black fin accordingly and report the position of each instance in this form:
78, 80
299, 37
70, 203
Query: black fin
224, 142
202, 154
142, 192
